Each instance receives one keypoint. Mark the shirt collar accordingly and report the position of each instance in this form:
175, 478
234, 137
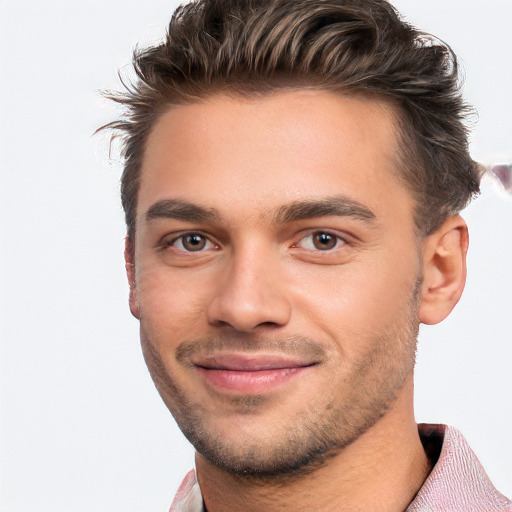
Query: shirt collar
457, 483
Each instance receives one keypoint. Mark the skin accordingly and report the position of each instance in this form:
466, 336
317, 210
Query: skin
276, 228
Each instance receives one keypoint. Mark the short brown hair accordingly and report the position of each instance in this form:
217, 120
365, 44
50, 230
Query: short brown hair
355, 47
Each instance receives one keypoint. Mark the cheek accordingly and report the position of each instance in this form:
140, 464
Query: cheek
355, 301
171, 303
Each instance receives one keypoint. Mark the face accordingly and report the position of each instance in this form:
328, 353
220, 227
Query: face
275, 274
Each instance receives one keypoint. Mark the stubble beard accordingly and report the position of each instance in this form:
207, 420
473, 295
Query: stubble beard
306, 441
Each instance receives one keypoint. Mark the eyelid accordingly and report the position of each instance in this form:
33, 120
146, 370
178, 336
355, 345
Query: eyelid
341, 237
170, 239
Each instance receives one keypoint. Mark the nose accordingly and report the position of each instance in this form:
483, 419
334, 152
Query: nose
251, 294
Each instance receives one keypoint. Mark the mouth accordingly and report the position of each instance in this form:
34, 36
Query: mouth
250, 374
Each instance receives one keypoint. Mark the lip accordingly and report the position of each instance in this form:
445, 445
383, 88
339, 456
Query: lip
250, 374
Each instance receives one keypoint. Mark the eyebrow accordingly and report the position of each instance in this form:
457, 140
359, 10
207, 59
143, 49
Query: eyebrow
181, 210
338, 205
341, 206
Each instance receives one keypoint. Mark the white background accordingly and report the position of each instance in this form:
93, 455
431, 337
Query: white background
82, 427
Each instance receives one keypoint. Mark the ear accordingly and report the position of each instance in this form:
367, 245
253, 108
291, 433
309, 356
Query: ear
129, 263
444, 270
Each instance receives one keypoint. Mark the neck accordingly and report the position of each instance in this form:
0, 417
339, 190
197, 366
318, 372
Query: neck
381, 471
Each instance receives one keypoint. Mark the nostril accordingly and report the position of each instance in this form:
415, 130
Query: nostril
247, 315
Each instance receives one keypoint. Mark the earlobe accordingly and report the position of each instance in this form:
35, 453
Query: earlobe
129, 259
444, 270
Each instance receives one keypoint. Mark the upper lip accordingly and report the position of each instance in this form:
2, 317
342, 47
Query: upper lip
250, 362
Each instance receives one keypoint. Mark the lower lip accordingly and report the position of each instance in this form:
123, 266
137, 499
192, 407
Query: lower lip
250, 382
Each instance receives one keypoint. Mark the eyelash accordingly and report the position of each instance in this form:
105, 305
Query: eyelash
338, 241
183, 237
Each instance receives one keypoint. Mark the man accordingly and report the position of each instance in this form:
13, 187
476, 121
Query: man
294, 172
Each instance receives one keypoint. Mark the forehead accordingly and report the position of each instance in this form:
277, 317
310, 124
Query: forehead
241, 155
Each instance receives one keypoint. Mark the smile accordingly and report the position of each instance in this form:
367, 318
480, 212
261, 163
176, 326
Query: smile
250, 374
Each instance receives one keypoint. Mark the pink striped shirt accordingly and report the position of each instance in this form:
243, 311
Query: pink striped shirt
457, 483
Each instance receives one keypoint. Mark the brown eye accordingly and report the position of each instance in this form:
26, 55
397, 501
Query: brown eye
324, 241
321, 241
193, 242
